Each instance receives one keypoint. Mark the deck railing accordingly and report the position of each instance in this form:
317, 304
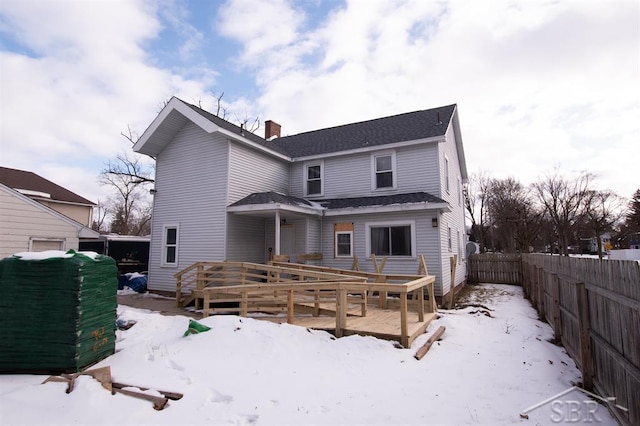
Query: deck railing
335, 296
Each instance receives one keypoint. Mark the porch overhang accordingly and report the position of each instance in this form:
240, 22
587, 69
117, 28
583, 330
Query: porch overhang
269, 209
443, 207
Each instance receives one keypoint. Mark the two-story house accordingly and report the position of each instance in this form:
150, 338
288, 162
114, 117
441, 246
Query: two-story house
390, 187
37, 214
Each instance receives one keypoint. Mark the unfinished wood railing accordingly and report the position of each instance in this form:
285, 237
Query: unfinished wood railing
334, 296
192, 280
372, 277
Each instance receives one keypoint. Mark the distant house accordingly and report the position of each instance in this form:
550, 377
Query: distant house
36, 214
390, 187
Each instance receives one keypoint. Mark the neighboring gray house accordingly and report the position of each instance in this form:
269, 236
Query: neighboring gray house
390, 186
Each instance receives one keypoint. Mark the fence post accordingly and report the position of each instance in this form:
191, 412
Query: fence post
555, 296
585, 339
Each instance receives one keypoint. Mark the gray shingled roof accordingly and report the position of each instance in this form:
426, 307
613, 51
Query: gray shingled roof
20, 179
382, 200
237, 129
398, 128
381, 131
339, 203
271, 198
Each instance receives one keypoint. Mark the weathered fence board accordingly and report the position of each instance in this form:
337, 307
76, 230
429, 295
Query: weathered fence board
603, 338
495, 268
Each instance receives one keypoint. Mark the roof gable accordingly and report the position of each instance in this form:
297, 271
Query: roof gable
177, 113
29, 181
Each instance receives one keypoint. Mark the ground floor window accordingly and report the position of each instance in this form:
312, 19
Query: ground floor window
44, 244
343, 239
170, 245
393, 239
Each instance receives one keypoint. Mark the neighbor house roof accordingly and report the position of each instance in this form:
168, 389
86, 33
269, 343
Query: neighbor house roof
425, 124
36, 186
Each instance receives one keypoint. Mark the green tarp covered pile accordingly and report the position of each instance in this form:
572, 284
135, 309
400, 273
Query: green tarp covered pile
57, 311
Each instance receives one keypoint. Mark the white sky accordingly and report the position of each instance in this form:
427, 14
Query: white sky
539, 84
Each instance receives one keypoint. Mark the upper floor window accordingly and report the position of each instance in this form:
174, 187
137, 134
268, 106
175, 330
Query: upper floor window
170, 245
446, 173
384, 170
391, 239
313, 174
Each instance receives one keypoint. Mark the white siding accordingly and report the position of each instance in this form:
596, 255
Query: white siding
251, 171
246, 237
455, 218
426, 244
191, 181
21, 221
350, 175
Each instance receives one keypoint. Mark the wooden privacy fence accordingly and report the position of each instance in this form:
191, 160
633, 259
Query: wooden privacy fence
594, 308
495, 268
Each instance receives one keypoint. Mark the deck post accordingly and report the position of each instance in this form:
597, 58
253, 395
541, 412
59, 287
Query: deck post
421, 304
179, 291
244, 304
316, 304
290, 307
341, 310
205, 308
404, 326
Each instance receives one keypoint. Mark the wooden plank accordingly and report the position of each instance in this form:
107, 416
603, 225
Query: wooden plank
585, 339
404, 329
430, 341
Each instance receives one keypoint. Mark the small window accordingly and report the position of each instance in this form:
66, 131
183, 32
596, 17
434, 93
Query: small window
446, 173
449, 242
313, 179
170, 246
384, 171
393, 240
344, 244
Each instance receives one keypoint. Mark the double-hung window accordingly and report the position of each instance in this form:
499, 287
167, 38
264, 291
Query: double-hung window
170, 245
344, 244
391, 239
384, 173
313, 179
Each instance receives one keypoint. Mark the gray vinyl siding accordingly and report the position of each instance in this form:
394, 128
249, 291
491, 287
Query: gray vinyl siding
246, 237
455, 218
20, 221
251, 171
191, 179
426, 244
351, 175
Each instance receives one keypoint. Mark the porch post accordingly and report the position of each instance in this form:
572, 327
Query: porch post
277, 237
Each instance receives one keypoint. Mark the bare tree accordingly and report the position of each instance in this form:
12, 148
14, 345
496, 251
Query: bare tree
603, 209
515, 218
100, 213
564, 201
476, 194
129, 179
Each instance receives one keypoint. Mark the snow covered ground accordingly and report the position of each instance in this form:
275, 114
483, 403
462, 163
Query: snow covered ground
485, 370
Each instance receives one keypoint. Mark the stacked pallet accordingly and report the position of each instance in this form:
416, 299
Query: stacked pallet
58, 311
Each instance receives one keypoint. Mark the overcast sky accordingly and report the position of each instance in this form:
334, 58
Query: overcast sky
539, 84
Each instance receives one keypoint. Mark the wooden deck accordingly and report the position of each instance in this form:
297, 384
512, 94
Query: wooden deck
339, 301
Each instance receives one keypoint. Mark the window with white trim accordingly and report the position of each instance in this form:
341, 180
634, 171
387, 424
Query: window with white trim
344, 244
384, 170
313, 179
449, 242
391, 239
169, 245
446, 173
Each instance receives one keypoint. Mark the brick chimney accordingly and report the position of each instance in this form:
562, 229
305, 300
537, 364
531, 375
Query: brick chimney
271, 129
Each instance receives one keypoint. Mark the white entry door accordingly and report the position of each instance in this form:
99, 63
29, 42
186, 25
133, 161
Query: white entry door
288, 240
